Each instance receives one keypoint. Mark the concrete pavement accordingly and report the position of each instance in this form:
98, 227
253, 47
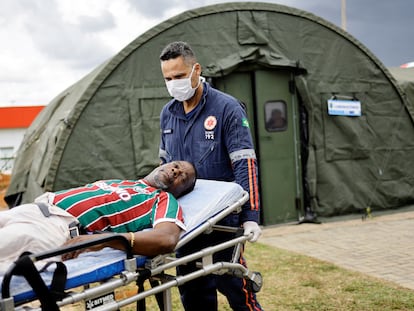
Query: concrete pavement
381, 246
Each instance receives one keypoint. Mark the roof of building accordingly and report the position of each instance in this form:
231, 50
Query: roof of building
18, 116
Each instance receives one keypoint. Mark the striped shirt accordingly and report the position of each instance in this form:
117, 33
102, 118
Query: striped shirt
119, 205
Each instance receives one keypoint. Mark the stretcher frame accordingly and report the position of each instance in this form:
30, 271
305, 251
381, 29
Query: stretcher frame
153, 271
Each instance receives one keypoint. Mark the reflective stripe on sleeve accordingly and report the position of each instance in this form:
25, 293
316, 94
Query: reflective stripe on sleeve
254, 189
242, 154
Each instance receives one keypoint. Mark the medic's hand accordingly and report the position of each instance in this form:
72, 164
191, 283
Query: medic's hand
252, 227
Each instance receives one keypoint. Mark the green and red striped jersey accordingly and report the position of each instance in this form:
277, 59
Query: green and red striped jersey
119, 205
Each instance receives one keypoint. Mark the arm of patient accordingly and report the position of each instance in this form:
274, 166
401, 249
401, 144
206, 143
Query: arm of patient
161, 239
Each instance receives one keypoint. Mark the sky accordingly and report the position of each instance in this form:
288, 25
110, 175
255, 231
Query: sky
50, 44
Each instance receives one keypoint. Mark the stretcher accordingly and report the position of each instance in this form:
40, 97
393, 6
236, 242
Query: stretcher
93, 277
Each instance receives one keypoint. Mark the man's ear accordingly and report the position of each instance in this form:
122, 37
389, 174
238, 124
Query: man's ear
198, 68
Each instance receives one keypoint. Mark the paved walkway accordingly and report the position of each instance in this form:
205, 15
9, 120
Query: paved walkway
381, 246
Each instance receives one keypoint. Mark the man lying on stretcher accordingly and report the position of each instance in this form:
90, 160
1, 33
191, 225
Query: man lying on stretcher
121, 206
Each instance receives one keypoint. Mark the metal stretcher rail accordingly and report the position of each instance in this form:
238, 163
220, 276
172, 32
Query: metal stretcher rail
128, 277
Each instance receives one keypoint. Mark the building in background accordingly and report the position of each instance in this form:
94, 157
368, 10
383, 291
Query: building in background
14, 120
408, 65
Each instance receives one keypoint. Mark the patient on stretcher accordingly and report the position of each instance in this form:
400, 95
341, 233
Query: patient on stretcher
126, 207
202, 209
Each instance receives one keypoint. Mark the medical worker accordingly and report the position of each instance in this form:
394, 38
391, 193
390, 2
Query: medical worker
210, 129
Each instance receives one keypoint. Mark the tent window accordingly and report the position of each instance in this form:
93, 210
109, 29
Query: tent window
275, 116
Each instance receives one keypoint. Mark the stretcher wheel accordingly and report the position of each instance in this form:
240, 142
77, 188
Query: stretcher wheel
255, 282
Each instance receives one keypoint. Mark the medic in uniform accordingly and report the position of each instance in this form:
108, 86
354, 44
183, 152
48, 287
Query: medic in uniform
209, 128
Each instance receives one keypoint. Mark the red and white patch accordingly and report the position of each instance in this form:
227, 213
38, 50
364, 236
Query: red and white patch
210, 123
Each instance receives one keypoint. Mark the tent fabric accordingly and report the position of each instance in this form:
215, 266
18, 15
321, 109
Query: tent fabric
107, 124
405, 79
252, 55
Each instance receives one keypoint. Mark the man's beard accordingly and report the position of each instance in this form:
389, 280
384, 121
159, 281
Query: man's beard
159, 184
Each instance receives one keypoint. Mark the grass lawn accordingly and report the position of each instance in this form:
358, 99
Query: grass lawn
296, 282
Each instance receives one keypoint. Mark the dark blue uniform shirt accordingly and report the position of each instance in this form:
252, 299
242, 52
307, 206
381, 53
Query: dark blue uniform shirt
216, 138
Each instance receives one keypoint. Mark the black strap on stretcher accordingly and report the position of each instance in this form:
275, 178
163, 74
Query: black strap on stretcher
47, 297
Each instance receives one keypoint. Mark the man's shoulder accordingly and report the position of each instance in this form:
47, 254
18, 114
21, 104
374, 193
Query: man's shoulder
216, 92
223, 97
169, 103
167, 194
167, 107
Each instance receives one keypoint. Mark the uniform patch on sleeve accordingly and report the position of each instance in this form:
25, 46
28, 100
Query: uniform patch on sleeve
245, 122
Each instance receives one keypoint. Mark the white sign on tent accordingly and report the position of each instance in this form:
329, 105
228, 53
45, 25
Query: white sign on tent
341, 107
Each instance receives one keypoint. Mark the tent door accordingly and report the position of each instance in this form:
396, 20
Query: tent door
273, 116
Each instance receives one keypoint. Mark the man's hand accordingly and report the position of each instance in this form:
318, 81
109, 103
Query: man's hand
252, 227
79, 239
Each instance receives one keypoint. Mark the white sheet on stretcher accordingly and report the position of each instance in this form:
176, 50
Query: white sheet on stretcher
206, 200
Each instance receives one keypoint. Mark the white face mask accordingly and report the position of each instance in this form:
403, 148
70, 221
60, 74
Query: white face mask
181, 89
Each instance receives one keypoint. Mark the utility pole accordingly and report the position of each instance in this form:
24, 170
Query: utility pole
343, 14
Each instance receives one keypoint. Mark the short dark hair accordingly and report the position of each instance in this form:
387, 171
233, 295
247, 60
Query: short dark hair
177, 49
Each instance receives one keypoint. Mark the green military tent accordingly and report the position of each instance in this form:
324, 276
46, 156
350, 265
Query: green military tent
349, 139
